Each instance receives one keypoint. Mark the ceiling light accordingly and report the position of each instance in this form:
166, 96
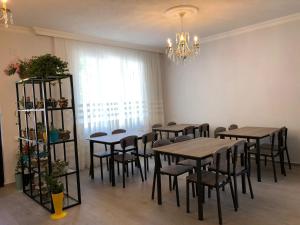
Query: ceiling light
5, 14
183, 50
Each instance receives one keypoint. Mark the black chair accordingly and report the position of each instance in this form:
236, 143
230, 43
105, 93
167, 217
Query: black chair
147, 139
170, 124
170, 170
157, 125
283, 146
101, 155
118, 131
129, 154
218, 130
213, 179
240, 167
190, 130
272, 151
204, 130
233, 127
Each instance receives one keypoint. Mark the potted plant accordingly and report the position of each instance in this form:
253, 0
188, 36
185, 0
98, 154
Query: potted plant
38, 66
56, 188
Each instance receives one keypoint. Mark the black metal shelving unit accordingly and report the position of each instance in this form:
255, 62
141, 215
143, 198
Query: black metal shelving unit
33, 147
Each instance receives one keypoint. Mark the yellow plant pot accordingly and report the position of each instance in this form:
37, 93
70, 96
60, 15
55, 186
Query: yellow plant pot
58, 202
45, 136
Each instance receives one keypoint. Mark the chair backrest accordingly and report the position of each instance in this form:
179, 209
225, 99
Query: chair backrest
129, 141
218, 130
161, 142
156, 125
189, 130
118, 131
204, 130
149, 138
222, 156
182, 138
98, 134
233, 126
282, 141
240, 151
171, 123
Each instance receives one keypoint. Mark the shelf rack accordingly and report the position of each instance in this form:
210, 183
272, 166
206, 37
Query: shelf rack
33, 175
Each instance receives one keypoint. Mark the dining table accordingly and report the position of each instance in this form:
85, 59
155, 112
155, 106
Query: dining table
197, 149
110, 140
176, 129
251, 133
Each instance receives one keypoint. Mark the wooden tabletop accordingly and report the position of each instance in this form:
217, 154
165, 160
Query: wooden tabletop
175, 128
196, 148
115, 138
249, 132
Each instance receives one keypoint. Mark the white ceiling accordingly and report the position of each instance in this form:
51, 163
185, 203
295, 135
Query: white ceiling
143, 21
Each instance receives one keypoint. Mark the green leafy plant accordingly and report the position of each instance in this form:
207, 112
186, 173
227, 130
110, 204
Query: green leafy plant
38, 66
47, 65
53, 181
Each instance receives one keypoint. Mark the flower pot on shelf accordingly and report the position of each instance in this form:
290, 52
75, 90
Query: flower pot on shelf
58, 202
19, 182
54, 135
63, 103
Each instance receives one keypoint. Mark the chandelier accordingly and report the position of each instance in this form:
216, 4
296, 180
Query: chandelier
5, 14
183, 50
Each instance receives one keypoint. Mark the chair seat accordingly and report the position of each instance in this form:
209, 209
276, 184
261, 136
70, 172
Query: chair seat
102, 154
193, 163
148, 153
223, 169
127, 158
264, 151
208, 178
175, 170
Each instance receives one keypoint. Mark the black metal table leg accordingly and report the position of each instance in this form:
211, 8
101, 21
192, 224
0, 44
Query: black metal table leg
158, 178
112, 165
199, 190
258, 160
92, 159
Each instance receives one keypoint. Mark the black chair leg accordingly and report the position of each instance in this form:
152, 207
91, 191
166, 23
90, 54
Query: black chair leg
118, 165
250, 186
188, 196
145, 167
127, 170
170, 183
235, 191
177, 191
140, 167
281, 155
193, 190
107, 165
101, 168
288, 158
153, 185
123, 166
243, 183
265, 161
234, 199
132, 170
219, 206
209, 192
274, 168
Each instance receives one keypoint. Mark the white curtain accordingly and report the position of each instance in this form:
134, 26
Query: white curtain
114, 88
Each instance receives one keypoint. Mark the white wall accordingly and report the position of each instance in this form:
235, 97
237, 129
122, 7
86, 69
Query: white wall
248, 79
17, 44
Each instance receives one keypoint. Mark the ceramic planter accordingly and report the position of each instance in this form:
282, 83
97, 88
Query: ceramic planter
58, 203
